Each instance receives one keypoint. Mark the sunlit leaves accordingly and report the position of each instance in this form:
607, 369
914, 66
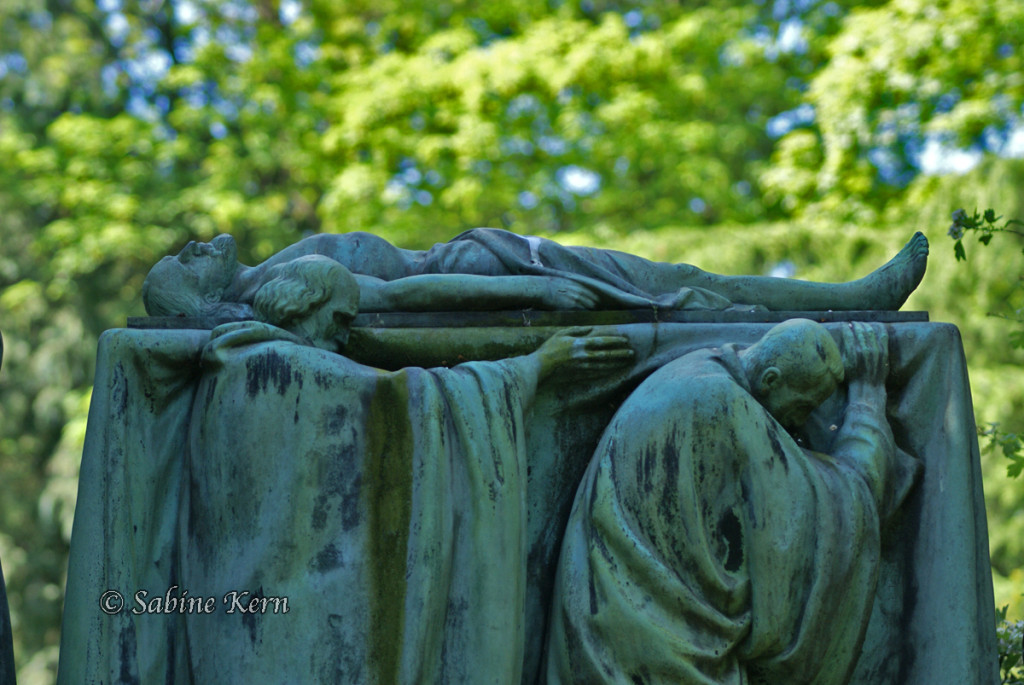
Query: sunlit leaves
907, 80
655, 117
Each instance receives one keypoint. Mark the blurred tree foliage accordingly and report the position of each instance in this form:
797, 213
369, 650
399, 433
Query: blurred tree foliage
743, 137
903, 81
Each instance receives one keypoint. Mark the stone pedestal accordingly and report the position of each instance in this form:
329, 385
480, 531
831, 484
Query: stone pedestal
933, 619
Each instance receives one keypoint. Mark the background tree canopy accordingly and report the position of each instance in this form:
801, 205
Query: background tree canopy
794, 137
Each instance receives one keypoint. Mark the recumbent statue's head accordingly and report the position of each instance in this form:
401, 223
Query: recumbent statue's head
313, 297
193, 282
793, 369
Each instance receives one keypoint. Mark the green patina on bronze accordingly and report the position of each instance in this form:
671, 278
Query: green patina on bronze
488, 270
395, 349
387, 493
414, 518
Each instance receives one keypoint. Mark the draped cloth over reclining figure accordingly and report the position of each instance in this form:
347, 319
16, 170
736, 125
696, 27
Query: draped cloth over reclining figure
488, 269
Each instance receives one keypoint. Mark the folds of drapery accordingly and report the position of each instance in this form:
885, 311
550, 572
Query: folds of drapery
707, 546
387, 507
620, 280
127, 509
932, 619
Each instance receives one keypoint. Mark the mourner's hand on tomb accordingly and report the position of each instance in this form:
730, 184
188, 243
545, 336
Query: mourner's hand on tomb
580, 351
866, 353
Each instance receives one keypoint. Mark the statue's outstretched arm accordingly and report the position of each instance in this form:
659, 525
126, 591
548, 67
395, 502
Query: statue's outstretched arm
462, 292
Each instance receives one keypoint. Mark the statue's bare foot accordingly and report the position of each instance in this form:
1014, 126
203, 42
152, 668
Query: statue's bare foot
889, 286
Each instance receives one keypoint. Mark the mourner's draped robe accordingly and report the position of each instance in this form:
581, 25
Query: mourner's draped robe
706, 546
387, 507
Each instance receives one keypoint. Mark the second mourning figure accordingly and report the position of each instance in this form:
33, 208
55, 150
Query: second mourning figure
706, 545
494, 269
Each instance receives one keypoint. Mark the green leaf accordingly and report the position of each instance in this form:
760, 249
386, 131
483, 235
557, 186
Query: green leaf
1016, 466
